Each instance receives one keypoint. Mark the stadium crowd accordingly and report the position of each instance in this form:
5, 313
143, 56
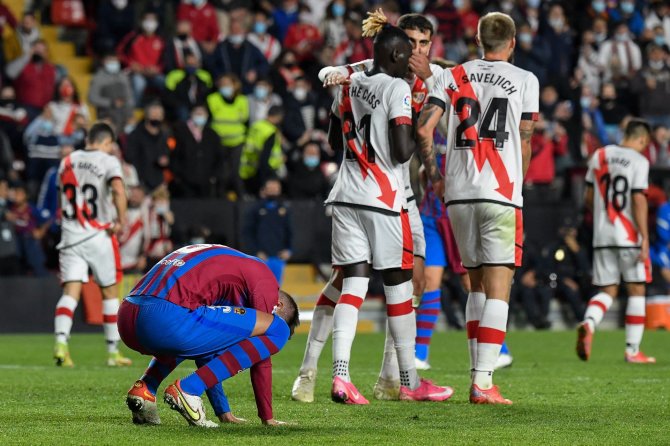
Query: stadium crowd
211, 99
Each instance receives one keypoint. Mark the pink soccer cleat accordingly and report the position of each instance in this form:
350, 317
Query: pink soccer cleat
427, 391
584, 340
489, 396
347, 393
640, 358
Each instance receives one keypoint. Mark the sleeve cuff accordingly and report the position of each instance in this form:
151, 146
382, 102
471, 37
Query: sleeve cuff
436, 101
530, 116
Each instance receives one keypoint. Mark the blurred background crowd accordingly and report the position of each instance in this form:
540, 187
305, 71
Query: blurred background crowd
220, 99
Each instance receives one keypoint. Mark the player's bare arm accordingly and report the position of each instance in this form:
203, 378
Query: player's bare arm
402, 141
588, 197
428, 119
120, 202
526, 129
640, 213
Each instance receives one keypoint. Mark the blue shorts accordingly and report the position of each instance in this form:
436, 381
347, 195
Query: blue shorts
435, 248
158, 327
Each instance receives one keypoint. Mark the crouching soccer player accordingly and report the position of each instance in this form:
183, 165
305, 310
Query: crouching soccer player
217, 306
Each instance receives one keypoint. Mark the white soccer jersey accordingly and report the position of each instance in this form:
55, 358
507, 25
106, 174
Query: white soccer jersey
487, 101
85, 197
419, 90
616, 173
369, 175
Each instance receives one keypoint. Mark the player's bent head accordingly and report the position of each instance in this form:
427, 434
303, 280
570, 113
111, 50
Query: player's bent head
392, 50
288, 310
637, 134
100, 135
495, 32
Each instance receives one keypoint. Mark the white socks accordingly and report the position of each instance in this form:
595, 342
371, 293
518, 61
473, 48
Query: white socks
598, 306
635, 315
345, 319
490, 337
390, 370
322, 325
63, 320
473, 313
110, 308
402, 325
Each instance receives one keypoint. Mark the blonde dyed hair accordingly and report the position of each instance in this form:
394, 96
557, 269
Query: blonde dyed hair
375, 22
495, 30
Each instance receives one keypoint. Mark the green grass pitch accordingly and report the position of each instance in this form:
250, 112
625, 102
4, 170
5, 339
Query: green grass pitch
557, 398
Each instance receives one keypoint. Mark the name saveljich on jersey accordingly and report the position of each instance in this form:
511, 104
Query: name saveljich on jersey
364, 94
487, 78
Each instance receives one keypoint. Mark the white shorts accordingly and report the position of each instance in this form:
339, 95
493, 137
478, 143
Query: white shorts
417, 229
361, 235
610, 264
487, 233
100, 253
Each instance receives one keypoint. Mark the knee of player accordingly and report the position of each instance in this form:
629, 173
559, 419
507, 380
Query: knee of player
279, 332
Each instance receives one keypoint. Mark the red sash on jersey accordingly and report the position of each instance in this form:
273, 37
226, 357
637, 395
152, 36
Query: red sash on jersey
349, 131
483, 149
69, 178
612, 213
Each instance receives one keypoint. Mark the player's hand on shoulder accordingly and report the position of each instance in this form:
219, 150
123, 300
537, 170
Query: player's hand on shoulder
336, 78
273, 422
228, 417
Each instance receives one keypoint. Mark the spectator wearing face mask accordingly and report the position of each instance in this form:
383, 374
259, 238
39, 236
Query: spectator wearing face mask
262, 156
229, 110
267, 230
620, 57
66, 108
532, 53
332, 28
613, 113
259, 36
306, 180
302, 37
628, 14
549, 141
589, 103
285, 72
595, 10
13, 117
657, 37
659, 15
658, 152
115, 19
142, 52
43, 146
588, 70
26, 34
558, 36
147, 147
301, 108
261, 100
181, 45
652, 87
284, 16
202, 17
110, 92
34, 79
159, 224
186, 87
197, 159
237, 55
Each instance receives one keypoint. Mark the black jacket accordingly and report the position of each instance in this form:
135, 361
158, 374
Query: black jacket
197, 166
143, 151
267, 228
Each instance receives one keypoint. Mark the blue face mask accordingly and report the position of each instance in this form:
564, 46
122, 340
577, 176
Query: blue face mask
417, 6
585, 102
261, 92
659, 40
260, 28
533, 3
200, 120
525, 38
47, 126
458, 4
628, 8
598, 6
338, 10
311, 161
227, 92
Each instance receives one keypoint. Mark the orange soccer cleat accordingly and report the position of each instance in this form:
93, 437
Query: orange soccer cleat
489, 396
640, 358
584, 340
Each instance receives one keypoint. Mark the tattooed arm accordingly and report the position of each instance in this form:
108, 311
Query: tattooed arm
526, 129
428, 119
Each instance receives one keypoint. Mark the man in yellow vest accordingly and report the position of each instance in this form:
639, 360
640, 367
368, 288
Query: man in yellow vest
262, 156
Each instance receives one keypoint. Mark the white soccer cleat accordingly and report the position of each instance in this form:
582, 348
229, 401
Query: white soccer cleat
386, 389
303, 386
421, 365
504, 360
189, 406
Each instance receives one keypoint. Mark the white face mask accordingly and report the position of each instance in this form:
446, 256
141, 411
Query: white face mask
150, 26
120, 4
656, 64
236, 39
113, 66
300, 94
556, 23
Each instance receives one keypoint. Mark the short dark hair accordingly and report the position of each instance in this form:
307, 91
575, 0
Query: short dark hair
637, 128
275, 110
290, 309
99, 131
417, 22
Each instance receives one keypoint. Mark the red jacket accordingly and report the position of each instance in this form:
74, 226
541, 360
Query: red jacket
142, 49
542, 169
36, 84
203, 21
303, 39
